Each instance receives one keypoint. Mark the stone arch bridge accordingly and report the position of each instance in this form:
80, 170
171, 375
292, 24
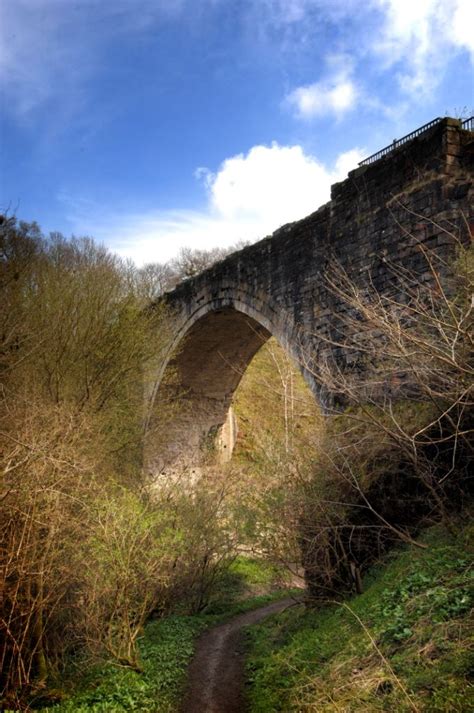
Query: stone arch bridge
405, 195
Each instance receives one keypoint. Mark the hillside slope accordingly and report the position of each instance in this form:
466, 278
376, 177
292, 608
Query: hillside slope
405, 644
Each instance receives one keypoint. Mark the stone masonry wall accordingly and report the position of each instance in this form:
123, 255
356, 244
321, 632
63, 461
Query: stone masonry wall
277, 286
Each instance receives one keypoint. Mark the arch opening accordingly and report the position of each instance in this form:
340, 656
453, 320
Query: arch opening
198, 384
215, 346
216, 352
276, 416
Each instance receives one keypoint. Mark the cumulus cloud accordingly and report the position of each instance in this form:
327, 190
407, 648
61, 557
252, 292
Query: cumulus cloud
336, 94
270, 184
249, 196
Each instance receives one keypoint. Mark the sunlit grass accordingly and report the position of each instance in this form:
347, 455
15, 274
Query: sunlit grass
404, 644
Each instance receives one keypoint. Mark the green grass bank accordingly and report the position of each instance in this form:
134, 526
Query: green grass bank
405, 644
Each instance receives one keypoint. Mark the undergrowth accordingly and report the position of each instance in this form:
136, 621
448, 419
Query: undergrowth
166, 648
402, 645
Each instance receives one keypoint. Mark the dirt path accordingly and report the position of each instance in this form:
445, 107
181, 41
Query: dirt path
216, 673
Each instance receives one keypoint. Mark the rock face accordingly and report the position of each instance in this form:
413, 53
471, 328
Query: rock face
378, 216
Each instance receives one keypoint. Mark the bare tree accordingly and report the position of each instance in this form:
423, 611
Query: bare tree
154, 279
192, 261
400, 453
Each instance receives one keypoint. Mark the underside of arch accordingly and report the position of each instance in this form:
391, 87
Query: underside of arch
216, 352
199, 383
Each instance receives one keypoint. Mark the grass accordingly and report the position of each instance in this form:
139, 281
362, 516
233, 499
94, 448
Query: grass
246, 580
405, 644
166, 650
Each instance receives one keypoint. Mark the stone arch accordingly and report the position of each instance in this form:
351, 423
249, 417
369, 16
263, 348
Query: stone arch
381, 215
210, 351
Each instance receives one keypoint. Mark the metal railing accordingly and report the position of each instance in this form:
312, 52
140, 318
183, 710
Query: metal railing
398, 142
468, 124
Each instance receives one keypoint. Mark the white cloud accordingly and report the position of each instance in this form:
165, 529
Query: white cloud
462, 27
345, 162
250, 196
413, 41
420, 38
336, 95
270, 184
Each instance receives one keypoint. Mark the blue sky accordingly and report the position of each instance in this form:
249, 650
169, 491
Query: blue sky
154, 124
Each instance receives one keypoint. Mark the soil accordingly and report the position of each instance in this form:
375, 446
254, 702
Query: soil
216, 673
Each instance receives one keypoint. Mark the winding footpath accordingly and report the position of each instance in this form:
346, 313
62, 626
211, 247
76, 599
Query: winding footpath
216, 673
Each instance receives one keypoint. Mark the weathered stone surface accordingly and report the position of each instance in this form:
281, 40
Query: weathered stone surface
377, 216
